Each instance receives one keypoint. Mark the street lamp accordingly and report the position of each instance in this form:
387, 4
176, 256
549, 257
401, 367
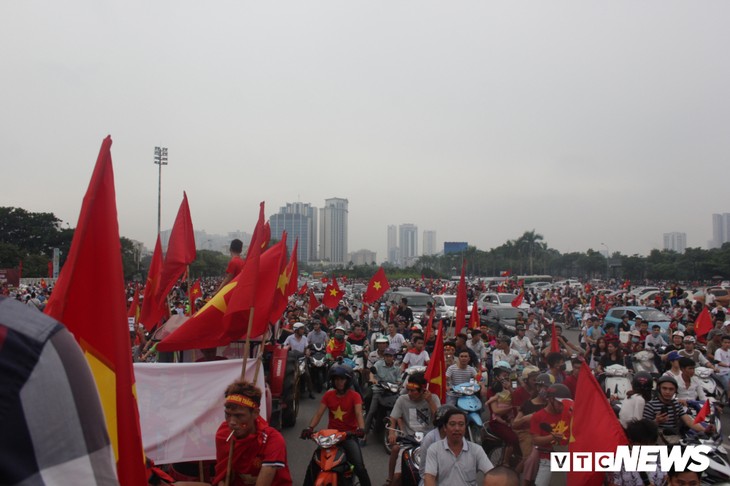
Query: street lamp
160, 160
608, 265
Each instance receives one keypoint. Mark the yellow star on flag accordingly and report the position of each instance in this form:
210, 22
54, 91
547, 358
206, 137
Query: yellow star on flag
376, 285
333, 292
195, 291
283, 282
339, 414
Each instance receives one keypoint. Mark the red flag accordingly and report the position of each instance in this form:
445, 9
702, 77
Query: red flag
313, 302
44, 285
505, 273
50, 269
554, 344
286, 285
149, 304
261, 232
324, 280
518, 300
332, 294
703, 323
89, 299
593, 418
462, 303
377, 286
303, 290
593, 303
436, 370
180, 253
196, 292
474, 321
703, 413
429, 328
133, 312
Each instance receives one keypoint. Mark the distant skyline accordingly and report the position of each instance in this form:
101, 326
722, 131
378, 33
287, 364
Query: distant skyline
589, 122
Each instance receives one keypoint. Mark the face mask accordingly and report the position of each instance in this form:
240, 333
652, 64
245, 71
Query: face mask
634, 340
339, 338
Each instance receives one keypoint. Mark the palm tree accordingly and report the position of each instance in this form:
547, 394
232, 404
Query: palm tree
531, 242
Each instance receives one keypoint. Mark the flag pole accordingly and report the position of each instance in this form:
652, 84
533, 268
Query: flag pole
247, 344
190, 291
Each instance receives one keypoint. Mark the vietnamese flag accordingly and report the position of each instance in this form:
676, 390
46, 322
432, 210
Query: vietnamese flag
332, 294
474, 321
88, 299
377, 286
304, 289
150, 289
196, 292
462, 304
429, 328
286, 285
505, 273
436, 370
180, 253
593, 303
703, 413
518, 300
703, 323
554, 344
313, 302
133, 311
593, 418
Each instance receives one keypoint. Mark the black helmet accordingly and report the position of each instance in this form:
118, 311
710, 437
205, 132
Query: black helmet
438, 417
559, 392
544, 379
343, 371
642, 381
666, 379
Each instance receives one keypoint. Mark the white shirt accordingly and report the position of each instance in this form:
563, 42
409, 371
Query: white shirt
632, 409
413, 359
521, 345
724, 357
693, 391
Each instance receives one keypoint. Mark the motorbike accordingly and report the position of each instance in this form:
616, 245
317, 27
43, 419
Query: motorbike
644, 361
387, 396
718, 472
330, 458
410, 449
318, 366
469, 401
711, 385
358, 362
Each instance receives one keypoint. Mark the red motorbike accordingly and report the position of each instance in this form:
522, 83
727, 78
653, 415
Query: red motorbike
331, 460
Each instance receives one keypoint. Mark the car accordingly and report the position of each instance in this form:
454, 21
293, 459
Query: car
637, 291
501, 318
722, 296
539, 286
575, 284
417, 301
499, 298
445, 305
648, 314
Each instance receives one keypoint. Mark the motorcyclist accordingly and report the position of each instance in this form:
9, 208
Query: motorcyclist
689, 388
640, 393
345, 414
383, 371
667, 412
502, 409
317, 336
337, 347
381, 344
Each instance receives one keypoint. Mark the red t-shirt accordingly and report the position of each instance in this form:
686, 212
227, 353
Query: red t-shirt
235, 265
342, 410
559, 423
520, 396
264, 448
571, 381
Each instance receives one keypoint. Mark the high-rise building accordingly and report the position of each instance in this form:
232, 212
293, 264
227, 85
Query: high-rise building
720, 229
408, 243
299, 220
362, 257
429, 242
393, 252
675, 241
333, 230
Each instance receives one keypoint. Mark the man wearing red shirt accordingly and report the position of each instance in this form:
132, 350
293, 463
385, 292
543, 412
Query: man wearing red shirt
528, 388
258, 450
235, 265
551, 426
345, 414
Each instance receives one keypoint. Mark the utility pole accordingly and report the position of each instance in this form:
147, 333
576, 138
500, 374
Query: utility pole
160, 160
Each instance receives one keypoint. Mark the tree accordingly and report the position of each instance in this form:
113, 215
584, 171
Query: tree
529, 242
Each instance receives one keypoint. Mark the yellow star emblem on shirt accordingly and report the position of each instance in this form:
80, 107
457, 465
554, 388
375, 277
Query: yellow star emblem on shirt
376, 285
339, 414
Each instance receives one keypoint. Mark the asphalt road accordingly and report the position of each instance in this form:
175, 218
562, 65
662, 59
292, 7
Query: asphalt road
300, 451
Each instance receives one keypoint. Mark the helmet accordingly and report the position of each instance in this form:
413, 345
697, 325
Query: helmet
340, 328
503, 364
438, 417
342, 371
529, 370
559, 392
642, 381
381, 340
298, 325
390, 351
544, 379
666, 379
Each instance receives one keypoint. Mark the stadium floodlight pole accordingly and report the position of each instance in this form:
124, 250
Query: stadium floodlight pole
608, 261
160, 160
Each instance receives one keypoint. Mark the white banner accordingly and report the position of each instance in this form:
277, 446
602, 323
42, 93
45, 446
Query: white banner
181, 406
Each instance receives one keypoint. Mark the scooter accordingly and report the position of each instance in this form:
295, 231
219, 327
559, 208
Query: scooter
468, 400
644, 361
718, 472
358, 362
330, 458
318, 366
410, 450
711, 385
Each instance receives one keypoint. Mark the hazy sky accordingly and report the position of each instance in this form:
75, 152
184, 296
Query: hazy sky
589, 121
